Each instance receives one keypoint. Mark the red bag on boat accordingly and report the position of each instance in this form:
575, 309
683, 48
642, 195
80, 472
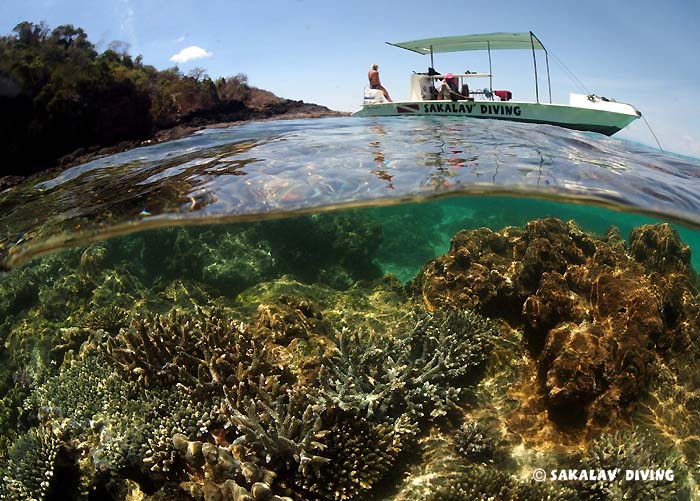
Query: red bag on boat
504, 95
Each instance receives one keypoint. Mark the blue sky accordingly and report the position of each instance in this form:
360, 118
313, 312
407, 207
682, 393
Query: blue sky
638, 51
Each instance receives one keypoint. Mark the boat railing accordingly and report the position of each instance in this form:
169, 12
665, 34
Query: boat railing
460, 75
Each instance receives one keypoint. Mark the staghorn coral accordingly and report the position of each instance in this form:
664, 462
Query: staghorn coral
365, 375
323, 452
360, 453
30, 466
200, 353
444, 347
111, 319
283, 428
416, 373
477, 442
484, 483
634, 450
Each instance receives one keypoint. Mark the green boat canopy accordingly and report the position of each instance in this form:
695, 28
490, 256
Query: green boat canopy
489, 41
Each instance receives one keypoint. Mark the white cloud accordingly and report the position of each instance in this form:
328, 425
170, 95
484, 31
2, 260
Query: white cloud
190, 54
181, 39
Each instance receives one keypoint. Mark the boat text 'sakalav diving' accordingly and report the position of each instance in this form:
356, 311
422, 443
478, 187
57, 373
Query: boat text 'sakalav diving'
584, 112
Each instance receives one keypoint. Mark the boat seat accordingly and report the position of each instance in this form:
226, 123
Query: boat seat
373, 96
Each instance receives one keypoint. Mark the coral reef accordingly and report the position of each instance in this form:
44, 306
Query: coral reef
333, 248
255, 365
20, 288
595, 319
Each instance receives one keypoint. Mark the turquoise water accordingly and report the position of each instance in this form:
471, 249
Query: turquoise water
354, 309
429, 226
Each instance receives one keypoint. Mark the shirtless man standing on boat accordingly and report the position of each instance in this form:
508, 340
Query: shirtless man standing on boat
374, 82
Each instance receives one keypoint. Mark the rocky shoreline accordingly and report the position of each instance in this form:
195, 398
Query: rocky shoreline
287, 110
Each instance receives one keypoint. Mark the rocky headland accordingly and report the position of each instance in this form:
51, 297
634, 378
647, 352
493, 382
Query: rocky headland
65, 103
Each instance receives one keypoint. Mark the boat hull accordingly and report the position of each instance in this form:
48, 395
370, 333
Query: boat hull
570, 117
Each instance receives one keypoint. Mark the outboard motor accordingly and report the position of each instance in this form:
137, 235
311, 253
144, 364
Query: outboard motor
373, 96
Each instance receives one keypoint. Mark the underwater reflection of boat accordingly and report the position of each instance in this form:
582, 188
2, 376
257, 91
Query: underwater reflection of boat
584, 112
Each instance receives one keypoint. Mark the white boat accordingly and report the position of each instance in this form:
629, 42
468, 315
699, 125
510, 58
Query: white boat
584, 112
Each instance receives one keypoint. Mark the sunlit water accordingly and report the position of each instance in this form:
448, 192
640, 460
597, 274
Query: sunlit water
313, 309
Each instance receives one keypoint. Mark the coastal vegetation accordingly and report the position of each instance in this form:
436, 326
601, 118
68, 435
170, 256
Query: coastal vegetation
60, 94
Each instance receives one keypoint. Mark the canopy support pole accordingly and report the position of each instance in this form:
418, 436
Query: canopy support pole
534, 59
549, 82
432, 65
488, 45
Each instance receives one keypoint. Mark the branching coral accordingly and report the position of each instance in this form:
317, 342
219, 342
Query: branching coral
125, 423
631, 450
414, 373
30, 466
392, 384
365, 375
476, 442
200, 353
479, 482
445, 347
360, 453
224, 476
111, 318
281, 427
81, 390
